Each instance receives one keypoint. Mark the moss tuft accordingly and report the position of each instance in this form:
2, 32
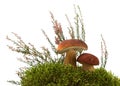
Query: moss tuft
56, 74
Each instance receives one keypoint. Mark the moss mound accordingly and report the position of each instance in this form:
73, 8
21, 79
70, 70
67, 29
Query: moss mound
56, 74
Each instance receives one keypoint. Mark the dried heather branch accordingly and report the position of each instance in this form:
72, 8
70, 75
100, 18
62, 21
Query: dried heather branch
82, 24
57, 41
31, 55
14, 82
41, 57
71, 29
104, 53
21, 47
77, 23
47, 54
57, 28
52, 45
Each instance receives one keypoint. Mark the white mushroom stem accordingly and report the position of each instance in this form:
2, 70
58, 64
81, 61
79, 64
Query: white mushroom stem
87, 67
70, 58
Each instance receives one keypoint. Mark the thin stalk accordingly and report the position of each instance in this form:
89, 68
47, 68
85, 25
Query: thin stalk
82, 24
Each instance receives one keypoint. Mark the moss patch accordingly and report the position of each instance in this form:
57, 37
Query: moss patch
56, 74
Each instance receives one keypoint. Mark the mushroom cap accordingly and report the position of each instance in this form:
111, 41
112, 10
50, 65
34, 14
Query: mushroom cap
88, 58
71, 44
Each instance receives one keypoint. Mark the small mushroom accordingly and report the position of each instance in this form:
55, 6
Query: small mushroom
88, 61
70, 47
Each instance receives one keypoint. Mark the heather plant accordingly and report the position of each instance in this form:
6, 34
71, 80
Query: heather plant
104, 53
44, 69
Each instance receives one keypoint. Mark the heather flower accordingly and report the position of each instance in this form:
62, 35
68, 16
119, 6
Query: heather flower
57, 28
57, 41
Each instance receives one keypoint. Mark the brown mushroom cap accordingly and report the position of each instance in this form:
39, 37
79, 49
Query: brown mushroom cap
71, 44
88, 59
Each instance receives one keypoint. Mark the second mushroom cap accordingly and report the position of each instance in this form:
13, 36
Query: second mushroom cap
88, 59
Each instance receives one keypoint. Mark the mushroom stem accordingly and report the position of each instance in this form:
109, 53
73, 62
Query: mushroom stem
87, 67
70, 58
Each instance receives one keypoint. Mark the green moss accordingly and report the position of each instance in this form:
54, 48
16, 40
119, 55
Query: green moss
56, 74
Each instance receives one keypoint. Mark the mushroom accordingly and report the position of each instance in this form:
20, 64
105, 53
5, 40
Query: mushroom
70, 47
88, 61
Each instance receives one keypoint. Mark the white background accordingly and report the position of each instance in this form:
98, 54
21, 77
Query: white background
28, 17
